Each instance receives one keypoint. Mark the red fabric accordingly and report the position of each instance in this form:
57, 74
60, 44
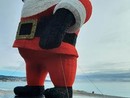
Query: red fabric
60, 63
61, 68
65, 48
88, 7
33, 44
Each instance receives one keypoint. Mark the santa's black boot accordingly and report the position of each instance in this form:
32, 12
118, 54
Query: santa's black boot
59, 92
29, 91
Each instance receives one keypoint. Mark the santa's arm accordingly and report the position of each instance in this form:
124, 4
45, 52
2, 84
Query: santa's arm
68, 17
81, 9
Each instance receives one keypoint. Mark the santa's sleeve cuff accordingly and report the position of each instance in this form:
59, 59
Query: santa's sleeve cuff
78, 10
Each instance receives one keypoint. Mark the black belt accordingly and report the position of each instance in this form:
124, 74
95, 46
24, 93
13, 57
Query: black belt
33, 28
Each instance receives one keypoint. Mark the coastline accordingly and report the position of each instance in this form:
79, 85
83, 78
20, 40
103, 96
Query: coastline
93, 95
77, 94
7, 83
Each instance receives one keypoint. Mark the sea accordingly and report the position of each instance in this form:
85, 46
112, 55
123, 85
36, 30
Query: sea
115, 88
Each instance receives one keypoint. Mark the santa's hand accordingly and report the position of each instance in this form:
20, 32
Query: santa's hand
55, 29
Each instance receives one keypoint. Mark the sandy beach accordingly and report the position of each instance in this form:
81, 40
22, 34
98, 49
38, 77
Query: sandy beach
77, 94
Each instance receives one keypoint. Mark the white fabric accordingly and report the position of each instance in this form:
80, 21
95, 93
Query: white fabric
78, 10
32, 7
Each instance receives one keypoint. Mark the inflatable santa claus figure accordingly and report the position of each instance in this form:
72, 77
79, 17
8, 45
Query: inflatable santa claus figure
46, 39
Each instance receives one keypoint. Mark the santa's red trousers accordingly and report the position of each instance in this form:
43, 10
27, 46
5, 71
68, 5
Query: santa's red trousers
61, 67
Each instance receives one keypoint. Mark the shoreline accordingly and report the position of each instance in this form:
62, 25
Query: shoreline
77, 94
95, 95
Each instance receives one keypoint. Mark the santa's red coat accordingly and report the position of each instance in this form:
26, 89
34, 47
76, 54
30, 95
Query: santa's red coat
35, 9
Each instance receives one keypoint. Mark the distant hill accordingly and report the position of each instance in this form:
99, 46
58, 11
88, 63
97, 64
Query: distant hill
123, 77
4, 78
11, 78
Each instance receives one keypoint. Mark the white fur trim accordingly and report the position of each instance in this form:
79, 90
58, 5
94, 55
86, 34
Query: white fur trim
32, 7
78, 10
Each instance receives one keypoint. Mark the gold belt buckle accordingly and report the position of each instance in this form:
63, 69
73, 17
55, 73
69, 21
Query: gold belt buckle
33, 30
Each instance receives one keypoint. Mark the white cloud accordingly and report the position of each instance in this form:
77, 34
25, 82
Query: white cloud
10, 15
106, 37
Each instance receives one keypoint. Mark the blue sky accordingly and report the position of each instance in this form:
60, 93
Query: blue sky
103, 43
